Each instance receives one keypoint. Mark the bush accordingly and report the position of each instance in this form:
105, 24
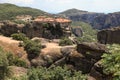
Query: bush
33, 48
111, 62
65, 41
18, 36
19, 21
56, 73
86, 38
3, 64
14, 60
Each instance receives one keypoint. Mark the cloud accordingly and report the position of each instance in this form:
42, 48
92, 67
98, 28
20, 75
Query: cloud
18, 1
60, 1
61, 5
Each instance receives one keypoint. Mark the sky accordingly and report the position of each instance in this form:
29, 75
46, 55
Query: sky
56, 6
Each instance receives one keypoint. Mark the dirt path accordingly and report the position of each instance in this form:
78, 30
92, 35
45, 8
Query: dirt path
51, 47
8, 40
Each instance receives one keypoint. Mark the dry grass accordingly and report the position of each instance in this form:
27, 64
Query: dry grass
12, 46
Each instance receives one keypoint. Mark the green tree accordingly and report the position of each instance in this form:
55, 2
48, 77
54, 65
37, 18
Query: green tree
33, 48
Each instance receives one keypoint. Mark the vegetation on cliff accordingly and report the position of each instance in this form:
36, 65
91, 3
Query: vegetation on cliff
89, 34
10, 11
56, 73
111, 62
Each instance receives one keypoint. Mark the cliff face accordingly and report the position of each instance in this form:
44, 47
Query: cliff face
49, 30
97, 20
45, 30
107, 21
109, 36
7, 28
79, 15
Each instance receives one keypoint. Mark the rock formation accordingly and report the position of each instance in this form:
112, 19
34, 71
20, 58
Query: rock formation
50, 28
83, 59
78, 32
97, 20
109, 36
7, 28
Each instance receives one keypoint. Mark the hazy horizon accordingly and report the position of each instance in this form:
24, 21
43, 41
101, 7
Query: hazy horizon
53, 6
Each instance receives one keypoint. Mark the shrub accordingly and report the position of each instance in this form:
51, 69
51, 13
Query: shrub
86, 38
20, 63
18, 36
56, 73
111, 62
19, 21
14, 60
65, 41
3, 64
33, 48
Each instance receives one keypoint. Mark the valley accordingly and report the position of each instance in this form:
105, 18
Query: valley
71, 45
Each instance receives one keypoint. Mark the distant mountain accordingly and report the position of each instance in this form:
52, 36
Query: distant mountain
9, 11
72, 12
107, 21
97, 20
80, 15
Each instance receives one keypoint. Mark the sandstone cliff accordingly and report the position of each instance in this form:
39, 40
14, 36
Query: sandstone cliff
109, 36
49, 28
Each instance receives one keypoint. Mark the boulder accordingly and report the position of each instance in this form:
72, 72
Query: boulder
79, 62
47, 57
67, 50
96, 71
92, 50
77, 32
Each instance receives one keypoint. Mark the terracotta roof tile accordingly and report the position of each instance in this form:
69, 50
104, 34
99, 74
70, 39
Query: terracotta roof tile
49, 19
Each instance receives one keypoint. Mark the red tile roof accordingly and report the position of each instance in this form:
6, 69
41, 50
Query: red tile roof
50, 19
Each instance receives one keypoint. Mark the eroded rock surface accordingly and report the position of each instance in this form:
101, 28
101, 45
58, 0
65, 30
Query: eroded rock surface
109, 36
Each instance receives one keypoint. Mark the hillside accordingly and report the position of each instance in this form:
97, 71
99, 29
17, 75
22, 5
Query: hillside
73, 11
80, 15
9, 11
107, 21
97, 20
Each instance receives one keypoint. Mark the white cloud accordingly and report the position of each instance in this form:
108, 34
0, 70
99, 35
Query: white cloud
60, 5
18, 1
60, 1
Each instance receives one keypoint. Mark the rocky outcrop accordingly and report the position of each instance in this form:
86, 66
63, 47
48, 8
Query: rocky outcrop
92, 51
7, 28
78, 32
47, 30
83, 59
97, 20
107, 21
79, 15
109, 36
97, 71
